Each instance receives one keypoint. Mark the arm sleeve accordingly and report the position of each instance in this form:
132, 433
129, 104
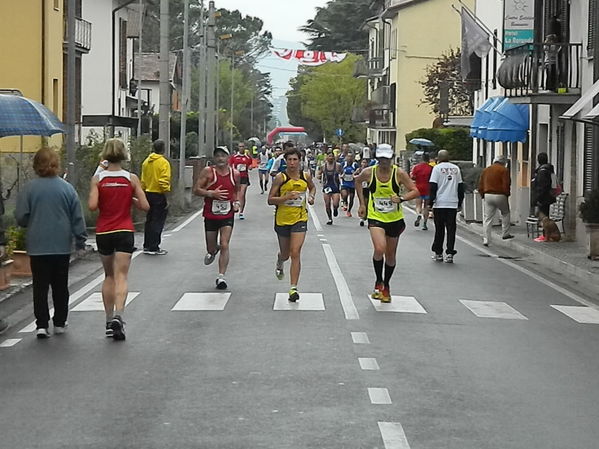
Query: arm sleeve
460, 194
432, 192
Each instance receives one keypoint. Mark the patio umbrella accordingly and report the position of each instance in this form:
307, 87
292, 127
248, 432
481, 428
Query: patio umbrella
422, 142
20, 116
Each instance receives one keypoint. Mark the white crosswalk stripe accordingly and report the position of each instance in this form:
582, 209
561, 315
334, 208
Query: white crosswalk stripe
94, 302
202, 302
307, 301
393, 435
580, 314
400, 304
493, 309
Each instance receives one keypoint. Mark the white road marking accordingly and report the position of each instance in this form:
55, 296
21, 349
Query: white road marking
347, 302
580, 314
166, 235
94, 302
379, 396
10, 342
493, 309
202, 301
360, 338
393, 435
186, 222
315, 219
307, 301
368, 364
400, 304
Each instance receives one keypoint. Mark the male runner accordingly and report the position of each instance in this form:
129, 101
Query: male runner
348, 189
242, 162
364, 164
421, 173
329, 174
384, 213
219, 185
263, 170
288, 194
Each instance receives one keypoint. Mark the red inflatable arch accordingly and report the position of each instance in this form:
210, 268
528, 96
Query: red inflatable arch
283, 129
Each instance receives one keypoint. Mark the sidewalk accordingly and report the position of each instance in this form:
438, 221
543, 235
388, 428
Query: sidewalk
568, 258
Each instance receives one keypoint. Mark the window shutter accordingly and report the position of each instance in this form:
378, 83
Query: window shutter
592, 31
123, 81
590, 160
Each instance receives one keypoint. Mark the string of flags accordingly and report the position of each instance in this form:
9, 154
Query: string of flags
309, 57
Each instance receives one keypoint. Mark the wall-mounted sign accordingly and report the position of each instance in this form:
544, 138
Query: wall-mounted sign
518, 23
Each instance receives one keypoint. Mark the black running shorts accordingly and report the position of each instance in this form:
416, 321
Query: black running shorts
214, 225
244, 180
285, 231
393, 229
115, 242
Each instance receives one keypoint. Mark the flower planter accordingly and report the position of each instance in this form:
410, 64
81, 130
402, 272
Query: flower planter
22, 263
5, 274
593, 237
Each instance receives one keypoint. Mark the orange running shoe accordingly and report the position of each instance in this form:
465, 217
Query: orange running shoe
385, 295
378, 288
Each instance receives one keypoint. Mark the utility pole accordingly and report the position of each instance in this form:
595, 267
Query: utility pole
71, 94
211, 83
140, 41
165, 89
202, 93
184, 96
232, 100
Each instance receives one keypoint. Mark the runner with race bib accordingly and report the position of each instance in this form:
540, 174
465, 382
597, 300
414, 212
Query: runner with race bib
243, 164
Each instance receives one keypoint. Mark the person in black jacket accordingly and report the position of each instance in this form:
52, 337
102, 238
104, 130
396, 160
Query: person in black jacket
542, 185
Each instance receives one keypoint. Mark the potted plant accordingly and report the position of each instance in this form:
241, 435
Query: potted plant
589, 212
5, 271
15, 237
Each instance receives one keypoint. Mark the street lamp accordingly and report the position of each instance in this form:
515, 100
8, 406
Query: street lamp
222, 37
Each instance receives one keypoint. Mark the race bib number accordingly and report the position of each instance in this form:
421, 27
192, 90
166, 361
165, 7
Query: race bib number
299, 202
221, 207
242, 167
384, 205
327, 190
348, 177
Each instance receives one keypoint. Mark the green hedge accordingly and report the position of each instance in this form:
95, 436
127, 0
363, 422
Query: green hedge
455, 140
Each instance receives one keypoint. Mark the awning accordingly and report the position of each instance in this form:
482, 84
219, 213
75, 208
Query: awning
583, 101
499, 120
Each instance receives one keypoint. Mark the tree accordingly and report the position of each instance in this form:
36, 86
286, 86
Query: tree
448, 70
327, 96
339, 26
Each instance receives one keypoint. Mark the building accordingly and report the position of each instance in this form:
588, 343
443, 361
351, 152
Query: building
33, 43
405, 37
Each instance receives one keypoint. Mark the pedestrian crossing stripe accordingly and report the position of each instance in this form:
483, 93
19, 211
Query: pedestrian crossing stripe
393, 435
379, 396
307, 302
202, 302
368, 364
94, 302
580, 314
493, 309
360, 338
399, 304
9, 342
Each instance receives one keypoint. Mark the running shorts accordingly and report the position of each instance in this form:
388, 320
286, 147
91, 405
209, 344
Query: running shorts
211, 225
244, 180
425, 197
349, 189
330, 189
119, 242
263, 172
285, 231
392, 229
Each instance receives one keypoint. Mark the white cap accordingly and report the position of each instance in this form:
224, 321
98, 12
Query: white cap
223, 149
384, 150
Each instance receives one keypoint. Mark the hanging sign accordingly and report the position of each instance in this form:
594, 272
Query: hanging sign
518, 23
310, 57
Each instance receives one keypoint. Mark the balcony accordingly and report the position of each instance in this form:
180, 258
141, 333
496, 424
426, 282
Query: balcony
547, 73
83, 36
372, 68
381, 119
381, 98
359, 115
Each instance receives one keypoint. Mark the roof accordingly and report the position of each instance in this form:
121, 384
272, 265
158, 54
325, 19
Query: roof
392, 6
150, 66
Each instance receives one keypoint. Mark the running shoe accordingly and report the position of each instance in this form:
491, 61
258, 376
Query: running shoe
293, 294
109, 331
279, 273
449, 258
59, 330
348, 214
42, 332
158, 252
417, 222
437, 257
425, 227
361, 222
385, 295
344, 208
541, 238
221, 283
335, 211
118, 328
241, 217
209, 257
330, 222
378, 288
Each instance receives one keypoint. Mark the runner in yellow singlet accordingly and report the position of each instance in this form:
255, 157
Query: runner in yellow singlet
291, 191
384, 213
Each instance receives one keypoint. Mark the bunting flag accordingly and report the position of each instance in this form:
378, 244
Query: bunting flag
309, 57
475, 41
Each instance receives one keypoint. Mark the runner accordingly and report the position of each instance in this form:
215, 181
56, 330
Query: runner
329, 174
113, 191
348, 189
288, 194
384, 213
242, 162
364, 163
220, 186
263, 169
421, 173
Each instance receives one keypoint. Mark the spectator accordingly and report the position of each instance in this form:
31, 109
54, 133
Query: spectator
494, 188
542, 185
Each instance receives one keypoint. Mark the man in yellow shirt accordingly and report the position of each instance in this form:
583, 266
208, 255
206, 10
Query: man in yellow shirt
156, 182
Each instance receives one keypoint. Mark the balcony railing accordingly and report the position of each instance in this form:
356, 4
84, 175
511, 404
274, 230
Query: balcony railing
372, 68
381, 119
380, 97
83, 35
545, 68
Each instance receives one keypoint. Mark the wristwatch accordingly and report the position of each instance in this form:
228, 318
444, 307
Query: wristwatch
401, 199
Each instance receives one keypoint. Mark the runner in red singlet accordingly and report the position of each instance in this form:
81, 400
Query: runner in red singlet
219, 185
113, 191
243, 164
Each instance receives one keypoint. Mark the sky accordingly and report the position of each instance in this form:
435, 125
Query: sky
282, 18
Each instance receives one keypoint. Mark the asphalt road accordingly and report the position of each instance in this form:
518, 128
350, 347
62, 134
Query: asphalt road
467, 356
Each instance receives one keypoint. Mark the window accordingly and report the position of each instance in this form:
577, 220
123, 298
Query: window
393, 44
55, 96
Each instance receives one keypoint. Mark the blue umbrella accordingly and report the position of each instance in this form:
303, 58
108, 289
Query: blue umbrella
20, 116
422, 142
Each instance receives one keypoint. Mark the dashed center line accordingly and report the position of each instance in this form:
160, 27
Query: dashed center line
379, 396
368, 364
